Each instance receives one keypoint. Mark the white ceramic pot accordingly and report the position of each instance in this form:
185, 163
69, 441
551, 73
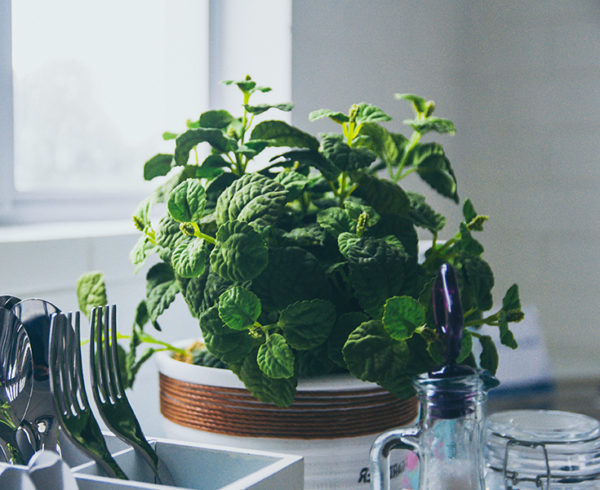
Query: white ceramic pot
332, 423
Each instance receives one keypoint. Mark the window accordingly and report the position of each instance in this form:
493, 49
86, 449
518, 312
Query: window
94, 85
87, 89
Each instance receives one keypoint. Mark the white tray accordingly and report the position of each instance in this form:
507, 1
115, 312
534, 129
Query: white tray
193, 466
200, 466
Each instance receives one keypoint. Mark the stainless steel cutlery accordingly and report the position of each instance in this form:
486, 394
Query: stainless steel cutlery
42, 387
40, 418
72, 406
109, 392
16, 383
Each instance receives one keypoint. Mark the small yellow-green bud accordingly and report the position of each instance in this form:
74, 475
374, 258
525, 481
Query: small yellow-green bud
363, 222
138, 223
429, 108
188, 228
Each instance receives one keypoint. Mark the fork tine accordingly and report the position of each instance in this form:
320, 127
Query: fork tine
71, 386
77, 369
96, 360
56, 352
107, 352
115, 372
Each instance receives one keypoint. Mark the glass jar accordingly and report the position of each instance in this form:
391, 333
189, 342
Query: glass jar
531, 449
447, 438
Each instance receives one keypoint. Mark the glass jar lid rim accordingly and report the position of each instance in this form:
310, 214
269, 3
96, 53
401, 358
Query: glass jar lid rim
548, 426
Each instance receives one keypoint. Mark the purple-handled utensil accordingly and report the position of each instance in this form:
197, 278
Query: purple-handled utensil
449, 319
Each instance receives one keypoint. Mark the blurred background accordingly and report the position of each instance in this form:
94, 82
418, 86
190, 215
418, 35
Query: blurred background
520, 80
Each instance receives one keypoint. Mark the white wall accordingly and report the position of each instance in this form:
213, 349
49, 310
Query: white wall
521, 80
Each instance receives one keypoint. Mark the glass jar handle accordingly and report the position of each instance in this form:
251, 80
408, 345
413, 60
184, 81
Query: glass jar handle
380, 453
514, 477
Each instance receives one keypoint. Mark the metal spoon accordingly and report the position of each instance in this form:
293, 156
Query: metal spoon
16, 381
35, 314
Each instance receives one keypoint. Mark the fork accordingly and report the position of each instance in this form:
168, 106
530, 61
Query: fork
109, 392
68, 390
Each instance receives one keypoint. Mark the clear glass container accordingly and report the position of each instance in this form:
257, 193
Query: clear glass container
447, 438
531, 449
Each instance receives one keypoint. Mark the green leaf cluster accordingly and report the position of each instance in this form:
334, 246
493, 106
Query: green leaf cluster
306, 262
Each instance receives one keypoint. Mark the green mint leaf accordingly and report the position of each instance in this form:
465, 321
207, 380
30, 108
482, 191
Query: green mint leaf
346, 241
434, 168
275, 358
157, 166
467, 243
419, 103
227, 344
466, 346
372, 355
168, 233
305, 236
314, 362
401, 316
342, 328
218, 119
91, 291
141, 314
262, 89
423, 215
368, 113
189, 257
187, 201
355, 209
376, 138
254, 199
292, 274
478, 282
252, 148
161, 289
384, 196
259, 109
335, 221
473, 220
379, 271
239, 308
468, 211
488, 359
307, 324
279, 133
140, 252
168, 135
280, 391
506, 336
203, 357
338, 117
312, 158
216, 187
247, 85
401, 229
511, 299
240, 253
293, 182
436, 124
188, 140
342, 156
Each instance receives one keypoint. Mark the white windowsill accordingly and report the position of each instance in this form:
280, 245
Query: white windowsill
65, 231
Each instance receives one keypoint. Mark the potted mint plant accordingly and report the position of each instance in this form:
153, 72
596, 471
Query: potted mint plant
306, 262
